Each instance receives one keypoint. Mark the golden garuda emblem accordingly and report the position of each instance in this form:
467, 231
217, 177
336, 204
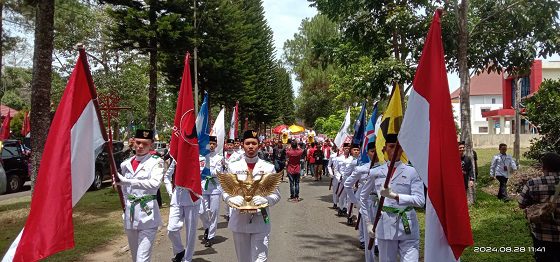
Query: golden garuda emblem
249, 188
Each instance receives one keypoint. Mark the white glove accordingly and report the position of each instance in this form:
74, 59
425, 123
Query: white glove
123, 181
236, 201
386, 192
370, 230
259, 200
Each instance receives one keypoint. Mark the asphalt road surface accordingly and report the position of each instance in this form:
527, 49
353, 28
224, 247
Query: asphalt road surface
304, 231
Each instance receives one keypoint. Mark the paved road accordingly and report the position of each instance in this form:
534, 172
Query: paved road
304, 231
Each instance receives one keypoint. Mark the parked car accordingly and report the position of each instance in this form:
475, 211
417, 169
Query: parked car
3, 180
16, 165
160, 148
102, 164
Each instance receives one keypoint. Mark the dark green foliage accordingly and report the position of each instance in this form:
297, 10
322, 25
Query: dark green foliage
543, 111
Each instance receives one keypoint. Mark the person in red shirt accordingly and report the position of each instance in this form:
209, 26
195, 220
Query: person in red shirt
311, 159
293, 155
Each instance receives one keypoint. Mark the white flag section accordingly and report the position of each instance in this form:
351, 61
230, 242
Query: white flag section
66, 171
343, 132
219, 130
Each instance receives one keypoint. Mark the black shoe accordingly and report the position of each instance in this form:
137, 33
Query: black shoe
376, 251
362, 245
350, 221
334, 206
209, 243
206, 235
178, 257
227, 218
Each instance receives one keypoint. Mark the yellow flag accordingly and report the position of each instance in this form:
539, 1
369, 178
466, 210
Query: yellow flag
390, 124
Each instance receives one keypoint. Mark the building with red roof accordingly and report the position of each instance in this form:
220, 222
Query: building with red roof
485, 95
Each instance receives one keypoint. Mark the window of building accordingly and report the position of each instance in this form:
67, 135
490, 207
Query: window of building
493, 100
483, 129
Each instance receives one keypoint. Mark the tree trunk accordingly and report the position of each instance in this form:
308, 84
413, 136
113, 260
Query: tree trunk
41, 81
466, 134
516, 143
2, 87
152, 92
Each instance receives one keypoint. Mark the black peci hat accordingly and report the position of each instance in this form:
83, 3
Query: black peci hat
346, 145
213, 139
230, 141
370, 145
250, 134
144, 134
354, 146
391, 138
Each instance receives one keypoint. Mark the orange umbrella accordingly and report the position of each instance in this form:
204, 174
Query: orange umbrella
278, 129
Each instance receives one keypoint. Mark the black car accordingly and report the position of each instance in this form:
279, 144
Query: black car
102, 164
16, 165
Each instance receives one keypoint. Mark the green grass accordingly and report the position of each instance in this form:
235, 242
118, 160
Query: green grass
97, 220
494, 223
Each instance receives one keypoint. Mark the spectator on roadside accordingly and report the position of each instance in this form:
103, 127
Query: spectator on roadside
279, 158
318, 155
311, 159
466, 167
546, 235
326, 148
293, 163
501, 167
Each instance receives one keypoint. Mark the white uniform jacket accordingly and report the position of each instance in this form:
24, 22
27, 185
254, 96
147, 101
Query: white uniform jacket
345, 166
251, 223
360, 174
407, 184
144, 181
215, 165
332, 164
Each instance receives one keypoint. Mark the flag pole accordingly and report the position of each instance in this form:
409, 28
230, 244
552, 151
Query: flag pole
82, 52
382, 198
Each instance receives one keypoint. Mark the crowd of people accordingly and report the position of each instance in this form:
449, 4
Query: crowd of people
356, 186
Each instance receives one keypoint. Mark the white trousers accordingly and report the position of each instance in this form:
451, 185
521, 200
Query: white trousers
369, 254
209, 213
407, 249
334, 187
179, 215
342, 201
251, 247
140, 243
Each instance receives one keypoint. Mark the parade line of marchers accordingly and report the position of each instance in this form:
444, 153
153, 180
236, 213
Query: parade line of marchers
391, 165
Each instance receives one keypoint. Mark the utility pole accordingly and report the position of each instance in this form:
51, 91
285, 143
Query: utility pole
516, 144
195, 63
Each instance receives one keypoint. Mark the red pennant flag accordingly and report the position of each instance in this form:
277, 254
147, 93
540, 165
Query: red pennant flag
184, 141
428, 137
6, 127
25, 128
66, 171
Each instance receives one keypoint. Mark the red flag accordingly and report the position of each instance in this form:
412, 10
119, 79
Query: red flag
6, 127
25, 128
184, 141
428, 137
66, 171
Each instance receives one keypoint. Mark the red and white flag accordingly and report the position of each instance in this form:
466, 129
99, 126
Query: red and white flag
234, 121
428, 137
184, 140
5, 133
66, 171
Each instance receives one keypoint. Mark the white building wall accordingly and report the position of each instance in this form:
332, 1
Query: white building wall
479, 124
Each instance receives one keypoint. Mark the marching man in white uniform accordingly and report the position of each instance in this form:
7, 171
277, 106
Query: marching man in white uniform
211, 194
332, 171
345, 165
182, 211
360, 175
398, 232
251, 231
230, 156
140, 180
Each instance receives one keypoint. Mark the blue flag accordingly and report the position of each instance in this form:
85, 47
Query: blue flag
203, 135
359, 126
369, 135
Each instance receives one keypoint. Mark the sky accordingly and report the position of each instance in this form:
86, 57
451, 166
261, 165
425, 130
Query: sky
285, 16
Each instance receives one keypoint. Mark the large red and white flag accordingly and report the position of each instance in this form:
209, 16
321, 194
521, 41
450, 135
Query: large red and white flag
428, 137
184, 140
234, 121
66, 171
